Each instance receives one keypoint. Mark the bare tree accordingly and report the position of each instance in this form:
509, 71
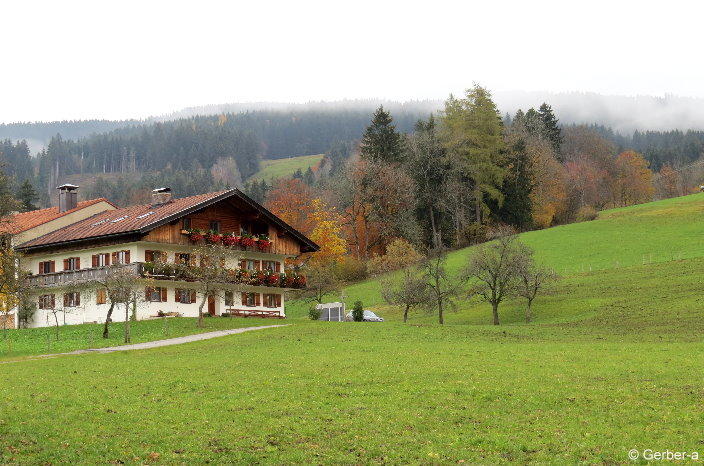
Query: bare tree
533, 278
411, 291
443, 286
320, 281
120, 287
13, 284
495, 269
207, 269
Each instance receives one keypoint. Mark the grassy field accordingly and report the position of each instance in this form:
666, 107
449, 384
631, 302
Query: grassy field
280, 168
28, 342
612, 362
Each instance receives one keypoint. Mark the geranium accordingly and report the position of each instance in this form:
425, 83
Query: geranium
263, 244
195, 235
273, 279
247, 241
230, 240
213, 237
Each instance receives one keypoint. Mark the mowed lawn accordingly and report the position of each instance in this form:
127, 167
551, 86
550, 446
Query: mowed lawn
356, 393
280, 168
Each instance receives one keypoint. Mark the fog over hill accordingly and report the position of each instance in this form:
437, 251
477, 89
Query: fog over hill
624, 114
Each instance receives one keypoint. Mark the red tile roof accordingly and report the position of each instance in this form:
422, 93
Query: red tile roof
125, 220
24, 221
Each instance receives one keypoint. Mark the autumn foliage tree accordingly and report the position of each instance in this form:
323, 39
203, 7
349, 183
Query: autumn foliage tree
634, 180
292, 201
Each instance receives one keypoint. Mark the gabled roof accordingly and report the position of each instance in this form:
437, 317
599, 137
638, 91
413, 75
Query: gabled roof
24, 221
141, 219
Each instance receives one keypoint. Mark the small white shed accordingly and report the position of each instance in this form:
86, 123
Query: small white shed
332, 312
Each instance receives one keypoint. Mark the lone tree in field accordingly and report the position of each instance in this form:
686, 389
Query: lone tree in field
358, 311
320, 281
532, 279
495, 269
443, 286
411, 291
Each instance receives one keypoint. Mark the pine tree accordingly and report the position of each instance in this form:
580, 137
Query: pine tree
26, 197
551, 128
381, 142
517, 207
309, 177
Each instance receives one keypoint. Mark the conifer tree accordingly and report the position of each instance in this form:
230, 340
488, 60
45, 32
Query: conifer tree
551, 128
26, 197
381, 142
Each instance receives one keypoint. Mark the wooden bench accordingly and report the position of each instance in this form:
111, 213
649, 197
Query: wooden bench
254, 313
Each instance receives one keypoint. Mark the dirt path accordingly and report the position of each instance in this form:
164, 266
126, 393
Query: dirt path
151, 344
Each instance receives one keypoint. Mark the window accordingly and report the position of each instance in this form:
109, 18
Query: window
249, 264
183, 258
154, 256
272, 300
47, 267
121, 257
229, 298
274, 266
100, 296
72, 263
186, 223
245, 229
72, 299
47, 301
100, 260
155, 294
185, 296
215, 226
250, 299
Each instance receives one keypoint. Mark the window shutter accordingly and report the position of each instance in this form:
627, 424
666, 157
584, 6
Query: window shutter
278, 266
65, 299
41, 267
127, 257
257, 299
78, 299
114, 257
107, 259
278, 300
257, 265
52, 266
163, 295
65, 264
148, 256
243, 264
148, 293
78, 263
193, 296
176, 290
53, 301
244, 299
94, 260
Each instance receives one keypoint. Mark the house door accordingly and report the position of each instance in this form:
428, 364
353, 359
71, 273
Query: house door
211, 305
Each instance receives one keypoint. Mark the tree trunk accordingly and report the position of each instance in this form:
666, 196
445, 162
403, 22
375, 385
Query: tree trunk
529, 313
495, 311
107, 320
200, 310
56, 319
436, 235
478, 206
127, 323
405, 314
440, 317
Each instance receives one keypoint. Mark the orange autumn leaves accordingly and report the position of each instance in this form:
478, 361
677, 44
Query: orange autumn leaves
293, 202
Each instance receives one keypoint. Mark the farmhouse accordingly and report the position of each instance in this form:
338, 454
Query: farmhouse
155, 243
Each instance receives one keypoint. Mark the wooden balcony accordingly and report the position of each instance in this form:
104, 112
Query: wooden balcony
173, 272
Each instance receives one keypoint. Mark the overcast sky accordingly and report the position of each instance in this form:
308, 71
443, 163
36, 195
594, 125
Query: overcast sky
115, 60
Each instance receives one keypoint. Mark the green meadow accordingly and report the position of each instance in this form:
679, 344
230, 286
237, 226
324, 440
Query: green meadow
612, 362
281, 168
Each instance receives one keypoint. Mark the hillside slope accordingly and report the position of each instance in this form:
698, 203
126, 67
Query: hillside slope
641, 261
280, 168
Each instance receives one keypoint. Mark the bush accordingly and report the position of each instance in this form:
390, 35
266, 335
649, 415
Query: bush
358, 311
314, 313
586, 214
474, 233
399, 255
349, 269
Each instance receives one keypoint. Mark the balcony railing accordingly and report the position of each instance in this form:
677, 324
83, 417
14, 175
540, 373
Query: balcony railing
164, 271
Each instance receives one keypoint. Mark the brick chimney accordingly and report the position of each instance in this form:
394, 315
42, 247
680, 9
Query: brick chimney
161, 196
68, 197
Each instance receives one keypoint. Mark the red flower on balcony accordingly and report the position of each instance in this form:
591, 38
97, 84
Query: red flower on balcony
195, 236
247, 241
273, 279
230, 240
263, 244
213, 238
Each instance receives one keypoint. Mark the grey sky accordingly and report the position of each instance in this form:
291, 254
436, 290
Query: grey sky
101, 59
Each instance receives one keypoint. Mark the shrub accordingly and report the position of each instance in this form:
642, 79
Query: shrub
399, 255
314, 313
349, 269
358, 311
586, 214
474, 233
